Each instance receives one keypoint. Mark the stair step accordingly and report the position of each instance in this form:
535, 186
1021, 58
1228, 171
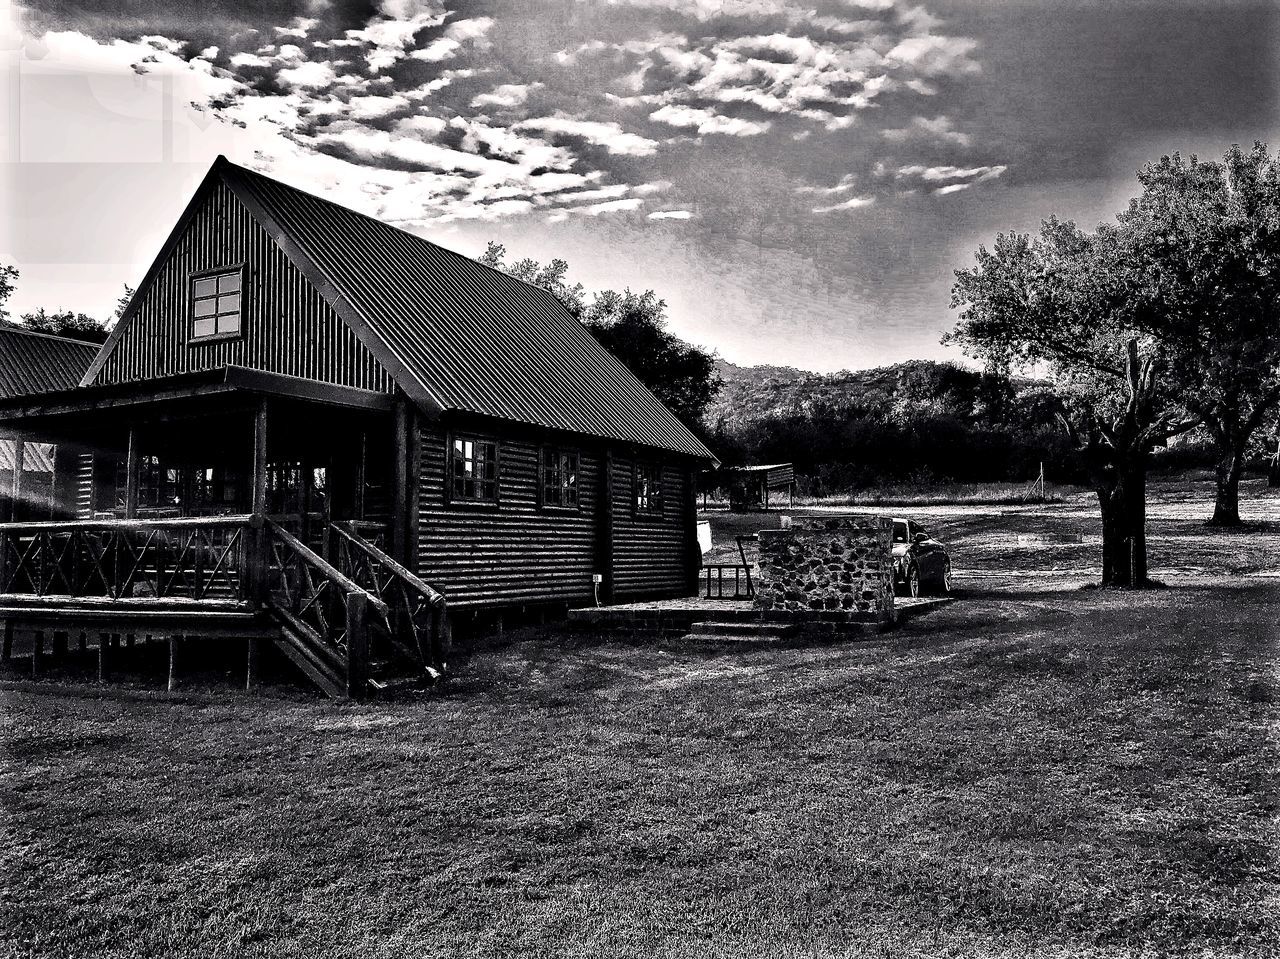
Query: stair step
745, 630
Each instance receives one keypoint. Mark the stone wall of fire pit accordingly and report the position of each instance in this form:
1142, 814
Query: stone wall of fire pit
837, 567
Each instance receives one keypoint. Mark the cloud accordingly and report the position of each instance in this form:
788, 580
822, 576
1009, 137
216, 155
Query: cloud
609, 135
933, 174
505, 95
311, 74
439, 115
455, 37
937, 55
853, 203
939, 128
846, 182
707, 121
943, 180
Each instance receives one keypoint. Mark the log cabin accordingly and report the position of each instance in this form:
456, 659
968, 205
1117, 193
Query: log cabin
323, 428
31, 485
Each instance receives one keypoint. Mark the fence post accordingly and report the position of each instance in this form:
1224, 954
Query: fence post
255, 549
357, 644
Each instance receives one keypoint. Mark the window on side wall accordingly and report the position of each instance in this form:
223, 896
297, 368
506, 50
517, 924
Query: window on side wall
648, 498
473, 470
560, 478
215, 305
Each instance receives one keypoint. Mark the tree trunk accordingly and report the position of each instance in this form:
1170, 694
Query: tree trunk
1124, 526
1226, 506
1273, 471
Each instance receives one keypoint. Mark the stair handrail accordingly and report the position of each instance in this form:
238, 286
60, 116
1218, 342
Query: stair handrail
323, 566
433, 595
435, 600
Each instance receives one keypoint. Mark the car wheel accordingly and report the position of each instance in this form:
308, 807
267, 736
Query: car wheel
912, 584
944, 584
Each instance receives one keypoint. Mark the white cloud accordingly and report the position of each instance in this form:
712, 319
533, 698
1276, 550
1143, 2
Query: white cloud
933, 55
454, 38
609, 135
707, 121
505, 95
611, 206
939, 128
308, 75
934, 174
846, 182
250, 60
373, 107
853, 203
298, 27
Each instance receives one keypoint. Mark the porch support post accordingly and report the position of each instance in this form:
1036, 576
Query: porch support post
132, 473
258, 473
604, 528
693, 549
15, 487
413, 460
357, 645
257, 545
400, 482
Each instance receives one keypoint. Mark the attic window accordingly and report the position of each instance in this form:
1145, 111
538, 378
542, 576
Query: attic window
215, 304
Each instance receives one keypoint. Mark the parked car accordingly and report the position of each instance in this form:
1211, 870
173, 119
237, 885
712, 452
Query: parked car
920, 562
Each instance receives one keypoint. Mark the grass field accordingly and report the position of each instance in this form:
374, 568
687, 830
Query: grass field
1037, 770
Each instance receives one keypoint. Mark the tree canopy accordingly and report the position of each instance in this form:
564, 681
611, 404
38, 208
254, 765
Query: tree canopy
1201, 245
75, 326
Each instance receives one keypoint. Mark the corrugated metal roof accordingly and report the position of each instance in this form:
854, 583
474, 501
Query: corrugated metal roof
473, 338
36, 363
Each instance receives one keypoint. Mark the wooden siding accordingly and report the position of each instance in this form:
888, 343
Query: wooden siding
518, 553
651, 552
286, 325
515, 553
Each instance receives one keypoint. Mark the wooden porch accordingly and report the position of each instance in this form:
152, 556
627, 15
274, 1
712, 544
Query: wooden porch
351, 626
228, 505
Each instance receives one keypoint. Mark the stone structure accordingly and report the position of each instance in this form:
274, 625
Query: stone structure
829, 568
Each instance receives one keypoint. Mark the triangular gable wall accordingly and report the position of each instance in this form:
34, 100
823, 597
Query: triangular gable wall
287, 325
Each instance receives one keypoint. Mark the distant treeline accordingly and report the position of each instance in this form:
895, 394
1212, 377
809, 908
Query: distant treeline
916, 422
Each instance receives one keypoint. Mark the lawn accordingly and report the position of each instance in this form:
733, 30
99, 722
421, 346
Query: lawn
1034, 772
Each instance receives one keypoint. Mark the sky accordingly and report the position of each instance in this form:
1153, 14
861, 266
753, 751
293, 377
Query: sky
798, 179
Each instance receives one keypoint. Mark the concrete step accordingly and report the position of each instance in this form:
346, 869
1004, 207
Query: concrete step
747, 630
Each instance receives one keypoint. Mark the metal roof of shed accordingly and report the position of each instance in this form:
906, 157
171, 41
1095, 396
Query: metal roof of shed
455, 334
37, 363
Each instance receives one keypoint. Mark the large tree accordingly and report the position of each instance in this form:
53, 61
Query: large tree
633, 327
1202, 242
1062, 304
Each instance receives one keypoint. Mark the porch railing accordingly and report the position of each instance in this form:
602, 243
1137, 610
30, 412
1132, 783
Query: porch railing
416, 623
199, 558
727, 581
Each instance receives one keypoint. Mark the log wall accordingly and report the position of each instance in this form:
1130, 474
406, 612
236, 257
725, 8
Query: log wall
518, 553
